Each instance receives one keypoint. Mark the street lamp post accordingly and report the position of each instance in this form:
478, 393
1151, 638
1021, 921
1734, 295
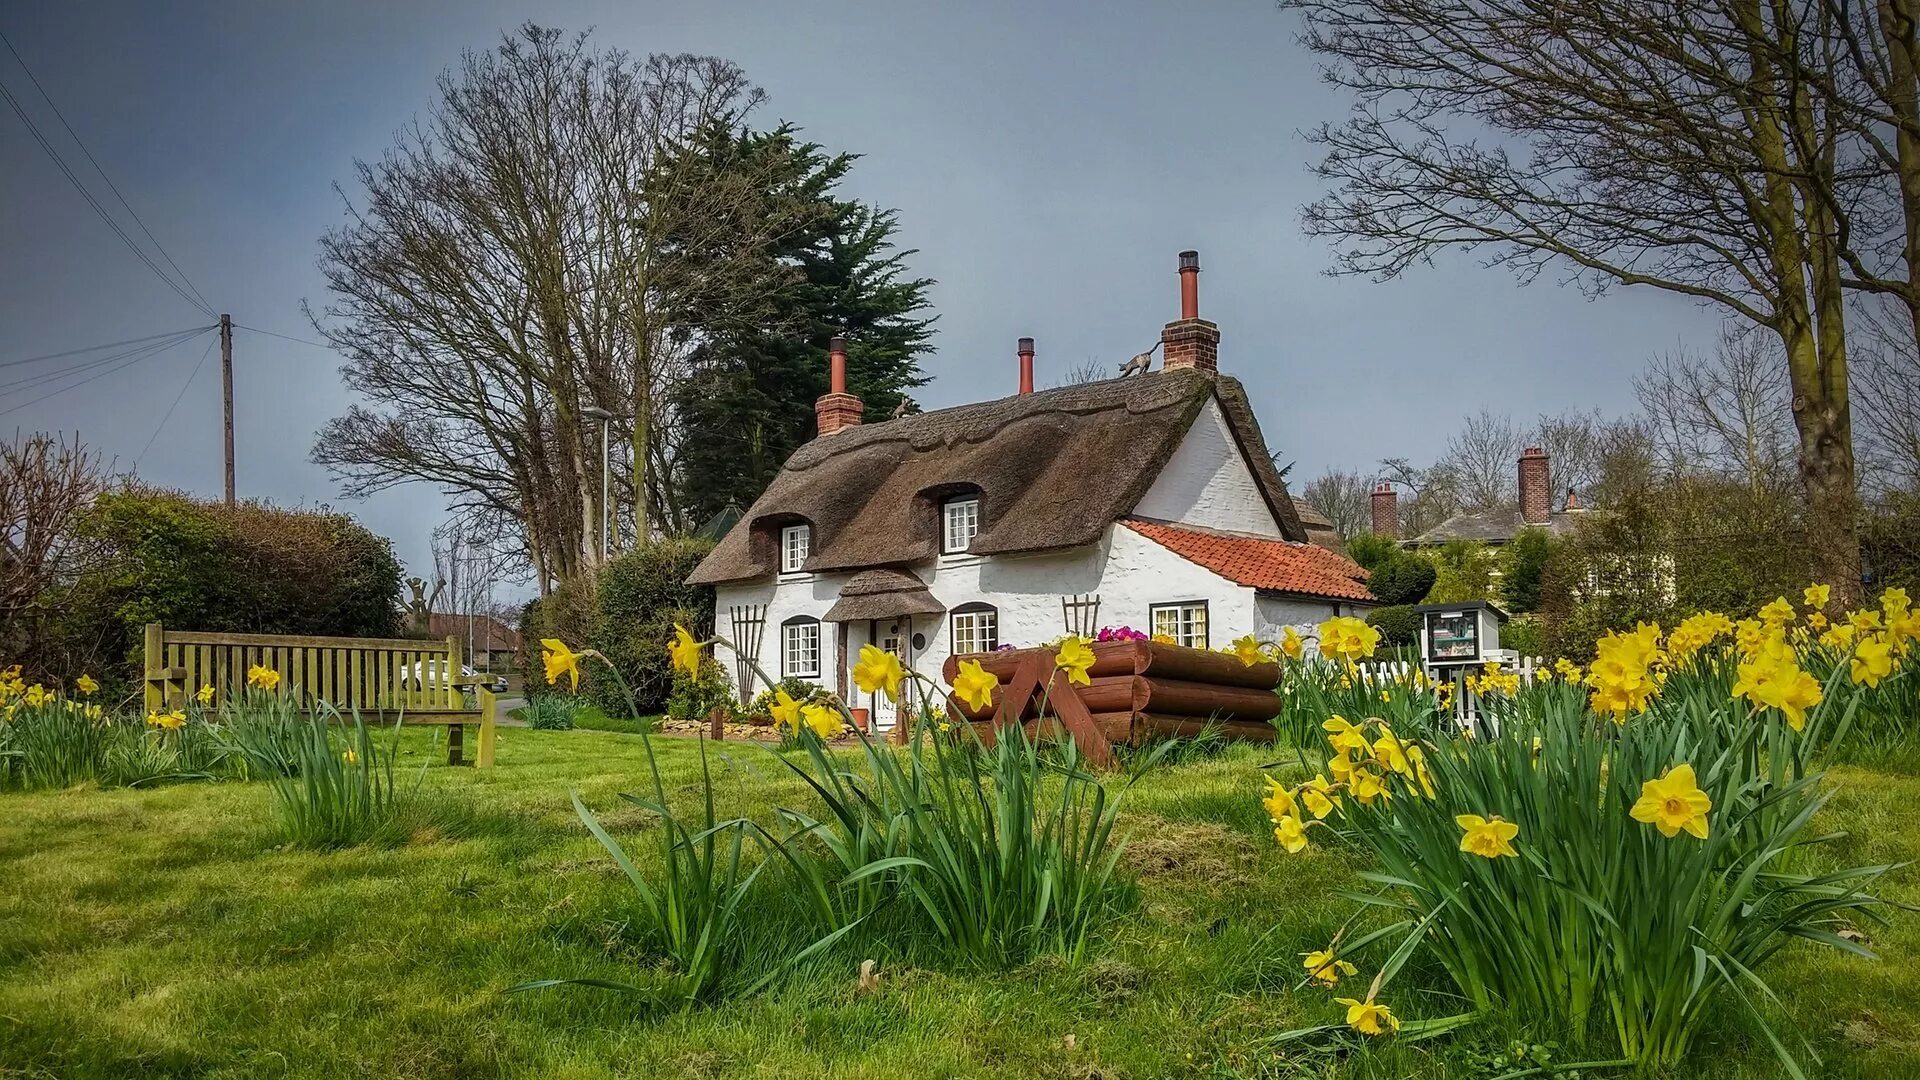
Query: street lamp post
606, 418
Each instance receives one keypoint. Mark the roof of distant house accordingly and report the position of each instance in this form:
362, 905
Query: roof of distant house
1053, 469
1281, 566
1496, 526
489, 633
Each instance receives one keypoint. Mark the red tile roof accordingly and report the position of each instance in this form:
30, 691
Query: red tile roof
1278, 565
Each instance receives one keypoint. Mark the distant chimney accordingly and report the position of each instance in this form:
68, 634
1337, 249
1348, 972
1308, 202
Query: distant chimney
837, 409
1573, 502
1536, 500
1026, 365
1193, 342
1386, 510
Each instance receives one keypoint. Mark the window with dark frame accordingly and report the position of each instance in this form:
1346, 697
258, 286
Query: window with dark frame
976, 628
796, 542
1185, 622
800, 648
960, 523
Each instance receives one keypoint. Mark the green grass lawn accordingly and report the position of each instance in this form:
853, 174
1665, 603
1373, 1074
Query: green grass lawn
165, 932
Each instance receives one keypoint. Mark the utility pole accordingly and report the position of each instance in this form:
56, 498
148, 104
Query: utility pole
226, 394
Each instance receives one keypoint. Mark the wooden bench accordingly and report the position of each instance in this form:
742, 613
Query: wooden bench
419, 682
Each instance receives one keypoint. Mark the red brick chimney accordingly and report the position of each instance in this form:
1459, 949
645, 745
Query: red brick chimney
1026, 365
837, 409
1192, 342
1536, 501
1386, 510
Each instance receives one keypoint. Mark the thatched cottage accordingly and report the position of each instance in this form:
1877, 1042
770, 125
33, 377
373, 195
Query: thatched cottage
1148, 501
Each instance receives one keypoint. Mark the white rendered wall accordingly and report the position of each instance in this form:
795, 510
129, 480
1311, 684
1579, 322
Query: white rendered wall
1207, 483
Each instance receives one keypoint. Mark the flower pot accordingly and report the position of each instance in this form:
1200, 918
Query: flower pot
859, 718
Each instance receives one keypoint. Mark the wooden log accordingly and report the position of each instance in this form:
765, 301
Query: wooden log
1135, 693
1112, 658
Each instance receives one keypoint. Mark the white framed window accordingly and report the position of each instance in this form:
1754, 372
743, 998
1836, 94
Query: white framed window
976, 628
795, 542
1185, 622
800, 648
960, 523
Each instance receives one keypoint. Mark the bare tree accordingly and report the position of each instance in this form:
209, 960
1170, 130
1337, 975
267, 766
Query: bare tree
1427, 497
1671, 145
1727, 414
1345, 498
46, 485
526, 252
1575, 445
1889, 400
1481, 459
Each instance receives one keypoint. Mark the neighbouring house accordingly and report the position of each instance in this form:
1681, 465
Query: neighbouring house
1148, 501
1495, 526
489, 644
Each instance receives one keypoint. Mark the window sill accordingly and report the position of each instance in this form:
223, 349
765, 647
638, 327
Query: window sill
960, 558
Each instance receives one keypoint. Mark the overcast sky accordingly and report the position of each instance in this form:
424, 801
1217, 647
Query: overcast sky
1048, 163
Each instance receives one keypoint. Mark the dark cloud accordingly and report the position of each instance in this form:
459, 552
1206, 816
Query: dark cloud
1048, 161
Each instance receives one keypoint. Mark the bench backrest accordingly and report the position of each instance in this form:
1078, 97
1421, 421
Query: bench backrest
373, 675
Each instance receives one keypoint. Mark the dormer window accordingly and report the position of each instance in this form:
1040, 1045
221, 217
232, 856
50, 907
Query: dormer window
795, 542
961, 522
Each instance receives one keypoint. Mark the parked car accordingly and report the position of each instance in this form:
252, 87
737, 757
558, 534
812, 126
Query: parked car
425, 671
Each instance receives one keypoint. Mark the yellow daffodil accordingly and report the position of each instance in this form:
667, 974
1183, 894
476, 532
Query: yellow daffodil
1489, 838
1075, 657
1674, 802
1347, 639
1817, 596
36, 696
1367, 785
167, 721
94, 712
204, 696
1621, 675
1247, 648
86, 685
1291, 835
349, 756
1325, 967
1290, 644
1865, 622
1369, 1018
560, 660
1771, 676
1872, 661
974, 685
1420, 772
1344, 734
1318, 797
262, 678
822, 720
1816, 620
685, 651
1567, 669
1389, 754
878, 670
785, 711
1777, 613
1838, 636
1279, 802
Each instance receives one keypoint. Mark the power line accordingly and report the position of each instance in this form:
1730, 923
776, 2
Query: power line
141, 354
111, 186
98, 348
285, 337
204, 353
14, 386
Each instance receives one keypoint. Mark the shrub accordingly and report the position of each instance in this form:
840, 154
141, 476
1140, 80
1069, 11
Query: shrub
1371, 551
695, 698
1397, 625
760, 711
1402, 579
626, 613
1463, 570
162, 556
1523, 561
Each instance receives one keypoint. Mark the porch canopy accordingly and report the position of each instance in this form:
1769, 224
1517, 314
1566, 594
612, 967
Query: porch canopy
883, 594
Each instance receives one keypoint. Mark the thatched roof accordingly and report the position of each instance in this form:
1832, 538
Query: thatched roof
1052, 469
883, 594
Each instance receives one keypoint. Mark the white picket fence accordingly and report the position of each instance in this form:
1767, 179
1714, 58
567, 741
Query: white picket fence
1466, 704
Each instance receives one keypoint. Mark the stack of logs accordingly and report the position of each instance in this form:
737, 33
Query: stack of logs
1141, 690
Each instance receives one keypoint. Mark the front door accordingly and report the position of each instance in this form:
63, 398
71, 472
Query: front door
896, 637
